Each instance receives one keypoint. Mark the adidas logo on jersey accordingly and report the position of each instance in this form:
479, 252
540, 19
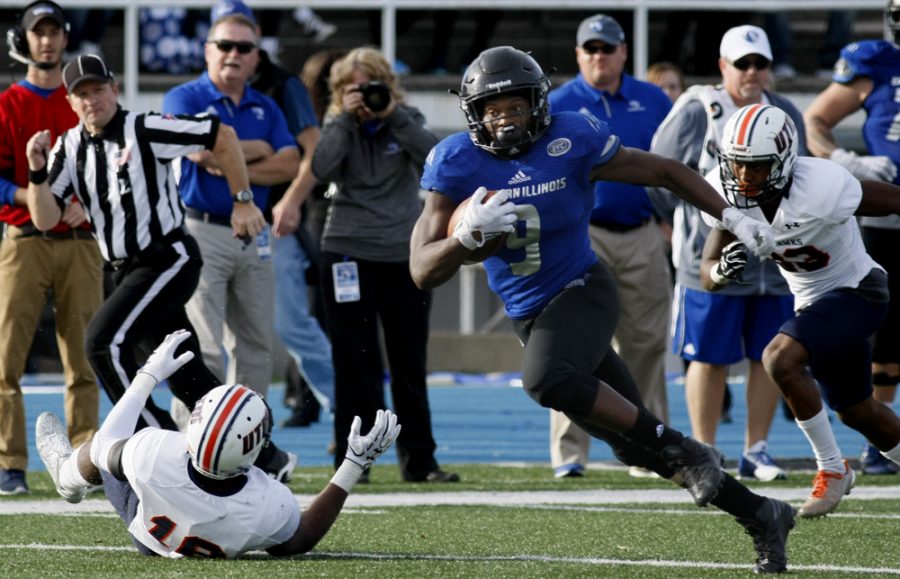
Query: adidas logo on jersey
519, 177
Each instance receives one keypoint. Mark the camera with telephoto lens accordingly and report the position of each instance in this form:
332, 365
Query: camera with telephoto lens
376, 95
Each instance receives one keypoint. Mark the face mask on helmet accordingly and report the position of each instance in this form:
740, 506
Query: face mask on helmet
505, 71
757, 136
228, 428
892, 20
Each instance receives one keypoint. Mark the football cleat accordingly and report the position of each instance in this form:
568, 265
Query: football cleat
700, 467
769, 529
54, 447
828, 490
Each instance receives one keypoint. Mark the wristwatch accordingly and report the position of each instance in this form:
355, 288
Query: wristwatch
243, 196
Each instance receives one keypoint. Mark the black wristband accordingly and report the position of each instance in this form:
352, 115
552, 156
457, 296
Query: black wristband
39, 176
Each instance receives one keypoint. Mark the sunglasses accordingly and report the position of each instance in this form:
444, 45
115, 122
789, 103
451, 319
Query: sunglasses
227, 46
604, 48
759, 63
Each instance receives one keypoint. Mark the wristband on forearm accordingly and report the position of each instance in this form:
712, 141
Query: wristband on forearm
717, 277
347, 474
38, 177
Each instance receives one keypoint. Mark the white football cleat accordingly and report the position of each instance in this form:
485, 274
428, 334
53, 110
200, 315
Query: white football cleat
54, 447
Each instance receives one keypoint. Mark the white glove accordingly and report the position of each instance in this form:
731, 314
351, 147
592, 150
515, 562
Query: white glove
161, 364
873, 168
756, 235
731, 264
491, 218
363, 450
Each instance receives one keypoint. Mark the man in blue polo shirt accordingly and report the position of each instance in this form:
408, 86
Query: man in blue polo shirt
623, 230
233, 305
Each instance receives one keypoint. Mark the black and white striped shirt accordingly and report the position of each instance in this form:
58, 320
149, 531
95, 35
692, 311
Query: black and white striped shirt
132, 200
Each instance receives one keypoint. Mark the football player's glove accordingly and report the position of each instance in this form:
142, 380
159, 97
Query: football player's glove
731, 264
363, 450
756, 235
489, 218
162, 363
870, 167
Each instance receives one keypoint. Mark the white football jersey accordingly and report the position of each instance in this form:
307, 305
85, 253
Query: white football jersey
819, 247
175, 518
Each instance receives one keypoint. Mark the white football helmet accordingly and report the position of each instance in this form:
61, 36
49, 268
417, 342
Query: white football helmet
228, 428
758, 134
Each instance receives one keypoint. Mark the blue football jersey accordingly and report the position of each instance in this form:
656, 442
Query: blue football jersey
878, 60
554, 197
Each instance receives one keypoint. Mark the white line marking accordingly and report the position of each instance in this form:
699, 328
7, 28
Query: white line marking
502, 558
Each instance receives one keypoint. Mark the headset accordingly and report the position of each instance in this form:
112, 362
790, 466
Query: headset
17, 39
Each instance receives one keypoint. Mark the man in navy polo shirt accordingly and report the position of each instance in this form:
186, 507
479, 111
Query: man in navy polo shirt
232, 308
623, 230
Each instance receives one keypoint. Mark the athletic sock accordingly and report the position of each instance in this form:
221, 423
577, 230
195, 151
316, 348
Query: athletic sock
893, 454
736, 499
821, 437
650, 432
70, 478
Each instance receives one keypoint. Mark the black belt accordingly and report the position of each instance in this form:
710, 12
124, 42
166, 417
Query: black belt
208, 217
620, 227
155, 247
29, 230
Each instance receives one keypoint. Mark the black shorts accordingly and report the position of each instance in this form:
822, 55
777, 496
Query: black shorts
835, 331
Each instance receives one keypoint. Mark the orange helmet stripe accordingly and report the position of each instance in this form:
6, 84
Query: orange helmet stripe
744, 124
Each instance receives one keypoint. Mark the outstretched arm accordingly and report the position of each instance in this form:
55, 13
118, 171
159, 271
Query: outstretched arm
879, 198
122, 419
641, 168
323, 511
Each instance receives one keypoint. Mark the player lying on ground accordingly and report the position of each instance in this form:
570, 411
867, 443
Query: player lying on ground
198, 493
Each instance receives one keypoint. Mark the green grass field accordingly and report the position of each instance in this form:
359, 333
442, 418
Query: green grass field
499, 522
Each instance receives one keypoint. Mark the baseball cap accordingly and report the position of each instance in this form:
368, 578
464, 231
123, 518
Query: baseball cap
223, 9
85, 67
600, 27
740, 41
40, 10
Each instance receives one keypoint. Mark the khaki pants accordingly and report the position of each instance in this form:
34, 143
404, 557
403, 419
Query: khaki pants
233, 308
29, 268
638, 261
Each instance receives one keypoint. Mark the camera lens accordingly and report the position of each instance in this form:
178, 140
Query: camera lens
376, 95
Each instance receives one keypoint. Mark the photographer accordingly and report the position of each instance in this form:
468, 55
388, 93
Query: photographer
372, 148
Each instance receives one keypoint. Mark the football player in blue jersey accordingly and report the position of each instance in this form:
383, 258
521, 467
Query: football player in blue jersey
561, 299
866, 76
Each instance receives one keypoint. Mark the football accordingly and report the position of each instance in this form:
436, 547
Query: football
490, 247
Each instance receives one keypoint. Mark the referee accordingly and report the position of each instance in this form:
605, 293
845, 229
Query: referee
118, 164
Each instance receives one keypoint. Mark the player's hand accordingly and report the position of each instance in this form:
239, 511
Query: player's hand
873, 168
162, 363
731, 263
363, 450
757, 236
491, 218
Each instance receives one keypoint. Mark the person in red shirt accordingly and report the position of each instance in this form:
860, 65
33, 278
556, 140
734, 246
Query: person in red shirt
65, 260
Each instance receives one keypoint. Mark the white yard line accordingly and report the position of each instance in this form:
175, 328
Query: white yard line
498, 498
846, 570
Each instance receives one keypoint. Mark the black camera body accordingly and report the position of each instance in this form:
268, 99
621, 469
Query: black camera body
376, 95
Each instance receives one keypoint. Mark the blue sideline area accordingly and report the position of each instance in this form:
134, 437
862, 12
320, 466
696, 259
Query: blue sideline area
477, 419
